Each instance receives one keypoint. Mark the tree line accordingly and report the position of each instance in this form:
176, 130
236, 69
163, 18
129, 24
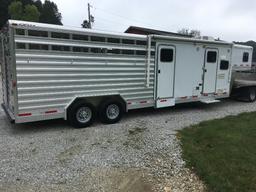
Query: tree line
29, 10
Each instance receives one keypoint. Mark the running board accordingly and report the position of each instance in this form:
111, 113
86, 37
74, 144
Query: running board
210, 101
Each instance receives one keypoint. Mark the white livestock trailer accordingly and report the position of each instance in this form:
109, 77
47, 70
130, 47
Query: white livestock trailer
51, 72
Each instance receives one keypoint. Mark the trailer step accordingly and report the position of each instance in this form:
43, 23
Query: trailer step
207, 101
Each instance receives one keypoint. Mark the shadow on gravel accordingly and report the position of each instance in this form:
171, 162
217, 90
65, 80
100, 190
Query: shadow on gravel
40, 126
62, 125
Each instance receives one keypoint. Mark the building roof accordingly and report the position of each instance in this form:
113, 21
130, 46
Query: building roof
147, 31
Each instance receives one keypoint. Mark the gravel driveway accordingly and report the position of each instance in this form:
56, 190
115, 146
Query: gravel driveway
141, 153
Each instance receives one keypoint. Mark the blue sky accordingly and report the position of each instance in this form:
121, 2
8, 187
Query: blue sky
227, 19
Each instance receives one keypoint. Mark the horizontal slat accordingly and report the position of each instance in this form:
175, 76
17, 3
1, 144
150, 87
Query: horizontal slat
99, 57
78, 75
47, 82
74, 43
77, 63
84, 92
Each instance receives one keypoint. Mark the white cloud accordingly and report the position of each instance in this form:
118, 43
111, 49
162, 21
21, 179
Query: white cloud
227, 19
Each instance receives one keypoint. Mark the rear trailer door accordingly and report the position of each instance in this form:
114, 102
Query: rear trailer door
165, 76
5, 70
7, 73
210, 71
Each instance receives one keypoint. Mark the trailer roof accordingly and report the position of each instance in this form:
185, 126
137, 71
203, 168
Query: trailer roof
191, 40
25, 24
242, 46
68, 28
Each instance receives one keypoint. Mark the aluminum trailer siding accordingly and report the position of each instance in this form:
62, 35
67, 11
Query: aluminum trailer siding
55, 65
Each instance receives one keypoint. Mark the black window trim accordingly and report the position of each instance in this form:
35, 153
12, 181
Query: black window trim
208, 58
246, 56
227, 64
166, 61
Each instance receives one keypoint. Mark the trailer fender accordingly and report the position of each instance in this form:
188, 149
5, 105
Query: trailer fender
95, 99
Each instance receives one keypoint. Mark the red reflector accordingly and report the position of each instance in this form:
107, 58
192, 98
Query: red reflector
24, 114
142, 102
195, 97
53, 111
205, 94
162, 101
14, 84
129, 103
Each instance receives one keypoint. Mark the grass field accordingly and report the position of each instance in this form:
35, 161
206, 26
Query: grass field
223, 152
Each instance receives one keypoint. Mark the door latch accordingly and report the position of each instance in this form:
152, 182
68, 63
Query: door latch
159, 71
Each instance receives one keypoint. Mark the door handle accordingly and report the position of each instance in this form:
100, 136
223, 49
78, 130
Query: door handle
159, 71
205, 70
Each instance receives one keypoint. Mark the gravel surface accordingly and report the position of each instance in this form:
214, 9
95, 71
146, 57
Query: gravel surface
141, 153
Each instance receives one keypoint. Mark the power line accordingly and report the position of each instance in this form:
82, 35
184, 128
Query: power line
123, 17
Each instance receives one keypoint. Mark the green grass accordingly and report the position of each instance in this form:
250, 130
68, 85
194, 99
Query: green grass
223, 152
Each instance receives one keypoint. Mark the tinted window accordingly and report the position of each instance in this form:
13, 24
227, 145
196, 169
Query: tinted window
166, 55
224, 65
211, 57
246, 57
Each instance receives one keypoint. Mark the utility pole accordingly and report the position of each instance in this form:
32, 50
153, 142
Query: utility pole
89, 16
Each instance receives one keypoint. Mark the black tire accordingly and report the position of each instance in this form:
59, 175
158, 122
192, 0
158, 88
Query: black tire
251, 94
105, 112
76, 117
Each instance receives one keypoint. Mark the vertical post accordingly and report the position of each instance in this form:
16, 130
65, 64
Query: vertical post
89, 16
148, 61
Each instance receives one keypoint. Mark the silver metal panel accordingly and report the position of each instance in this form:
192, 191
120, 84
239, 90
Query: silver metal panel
49, 80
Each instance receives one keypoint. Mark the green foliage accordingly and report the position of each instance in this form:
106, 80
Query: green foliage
31, 13
50, 13
222, 152
30, 10
16, 10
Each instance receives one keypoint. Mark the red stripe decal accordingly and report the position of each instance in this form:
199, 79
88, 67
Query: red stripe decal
205, 94
143, 102
195, 97
24, 114
129, 103
184, 97
162, 101
53, 111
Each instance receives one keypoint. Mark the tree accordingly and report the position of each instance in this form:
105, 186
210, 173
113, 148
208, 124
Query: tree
15, 10
50, 13
31, 13
11, 9
193, 32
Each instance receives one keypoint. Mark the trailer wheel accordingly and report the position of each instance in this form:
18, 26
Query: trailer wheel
81, 114
111, 111
251, 94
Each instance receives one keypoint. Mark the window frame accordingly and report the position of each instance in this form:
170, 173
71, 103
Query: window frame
164, 60
224, 68
208, 60
246, 56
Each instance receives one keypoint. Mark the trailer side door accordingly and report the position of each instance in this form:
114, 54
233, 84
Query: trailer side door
210, 71
165, 76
